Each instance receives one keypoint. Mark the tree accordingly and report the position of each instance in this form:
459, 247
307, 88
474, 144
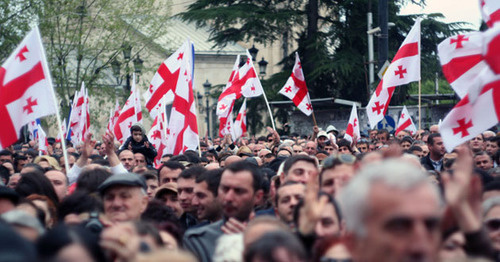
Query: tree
330, 35
83, 37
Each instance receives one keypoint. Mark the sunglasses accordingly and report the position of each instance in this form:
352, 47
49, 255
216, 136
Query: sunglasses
493, 224
334, 160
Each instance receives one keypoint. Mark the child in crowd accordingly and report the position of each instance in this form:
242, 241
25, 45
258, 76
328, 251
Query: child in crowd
138, 143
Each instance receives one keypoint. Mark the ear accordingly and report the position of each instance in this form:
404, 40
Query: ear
259, 195
282, 178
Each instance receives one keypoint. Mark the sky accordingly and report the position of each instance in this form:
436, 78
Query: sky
453, 10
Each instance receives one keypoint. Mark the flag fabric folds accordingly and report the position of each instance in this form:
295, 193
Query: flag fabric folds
405, 122
240, 123
26, 92
490, 10
352, 130
404, 68
129, 115
296, 90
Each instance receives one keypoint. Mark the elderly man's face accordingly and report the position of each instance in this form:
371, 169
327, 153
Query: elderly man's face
399, 225
124, 203
311, 148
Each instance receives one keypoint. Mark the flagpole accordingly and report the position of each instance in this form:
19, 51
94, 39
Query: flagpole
419, 104
49, 79
314, 119
269, 109
198, 123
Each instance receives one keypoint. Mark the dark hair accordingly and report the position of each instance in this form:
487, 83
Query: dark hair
36, 183
212, 178
164, 218
289, 162
383, 131
241, 166
407, 139
90, 179
483, 153
346, 143
430, 139
192, 172
77, 203
192, 156
5, 152
95, 158
102, 162
149, 175
264, 248
171, 165
37, 167
40, 214
5, 174
179, 158
415, 148
55, 240
287, 183
136, 128
148, 229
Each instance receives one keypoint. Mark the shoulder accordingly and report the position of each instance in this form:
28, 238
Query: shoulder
213, 228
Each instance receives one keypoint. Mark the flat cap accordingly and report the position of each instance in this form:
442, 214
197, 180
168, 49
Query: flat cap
125, 179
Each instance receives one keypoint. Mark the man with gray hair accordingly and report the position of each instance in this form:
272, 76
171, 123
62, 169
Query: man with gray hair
392, 213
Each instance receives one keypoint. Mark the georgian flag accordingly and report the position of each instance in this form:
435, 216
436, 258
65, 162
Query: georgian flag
129, 115
26, 91
353, 126
226, 103
113, 117
182, 131
462, 60
240, 123
404, 68
157, 134
405, 122
43, 143
490, 10
296, 90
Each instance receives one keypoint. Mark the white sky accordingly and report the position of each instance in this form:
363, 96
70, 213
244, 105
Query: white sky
453, 10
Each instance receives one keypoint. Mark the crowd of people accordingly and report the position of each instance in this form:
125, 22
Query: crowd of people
281, 197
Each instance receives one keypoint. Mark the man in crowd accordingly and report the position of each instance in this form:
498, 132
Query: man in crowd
169, 172
298, 168
205, 201
434, 160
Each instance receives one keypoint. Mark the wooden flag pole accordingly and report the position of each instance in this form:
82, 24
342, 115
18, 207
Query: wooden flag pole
59, 125
419, 104
314, 119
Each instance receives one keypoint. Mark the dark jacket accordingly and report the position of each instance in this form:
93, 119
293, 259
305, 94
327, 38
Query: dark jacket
427, 164
201, 241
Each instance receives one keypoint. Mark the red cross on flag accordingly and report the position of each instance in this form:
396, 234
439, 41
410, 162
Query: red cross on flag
467, 119
226, 103
353, 126
240, 123
26, 91
404, 68
130, 114
295, 88
182, 133
157, 134
243, 81
490, 10
165, 80
405, 122
461, 57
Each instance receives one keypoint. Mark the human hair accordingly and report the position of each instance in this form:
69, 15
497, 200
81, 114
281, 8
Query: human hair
212, 178
346, 143
494, 139
430, 139
79, 202
192, 157
53, 241
242, 166
149, 175
406, 139
331, 200
385, 132
5, 152
289, 162
40, 214
37, 167
483, 153
264, 248
145, 228
396, 174
415, 148
287, 183
136, 128
164, 218
50, 204
36, 183
90, 179
5, 174
173, 165
490, 203
192, 172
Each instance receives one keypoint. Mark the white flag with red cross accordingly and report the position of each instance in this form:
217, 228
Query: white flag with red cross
352, 130
490, 10
404, 68
26, 91
226, 103
182, 131
113, 117
79, 120
157, 134
243, 81
296, 90
130, 114
405, 122
240, 123
165, 80
62, 133
462, 60
43, 143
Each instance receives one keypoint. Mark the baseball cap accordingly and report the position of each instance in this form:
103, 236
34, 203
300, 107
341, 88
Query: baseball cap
165, 188
125, 179
331, 128
322, 133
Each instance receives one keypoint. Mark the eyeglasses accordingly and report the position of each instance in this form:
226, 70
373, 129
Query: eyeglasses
493, 224
334, 160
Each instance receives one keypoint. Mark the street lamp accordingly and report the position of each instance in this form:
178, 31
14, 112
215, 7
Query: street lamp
127, 58
253, 52
207, 85
262, 67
